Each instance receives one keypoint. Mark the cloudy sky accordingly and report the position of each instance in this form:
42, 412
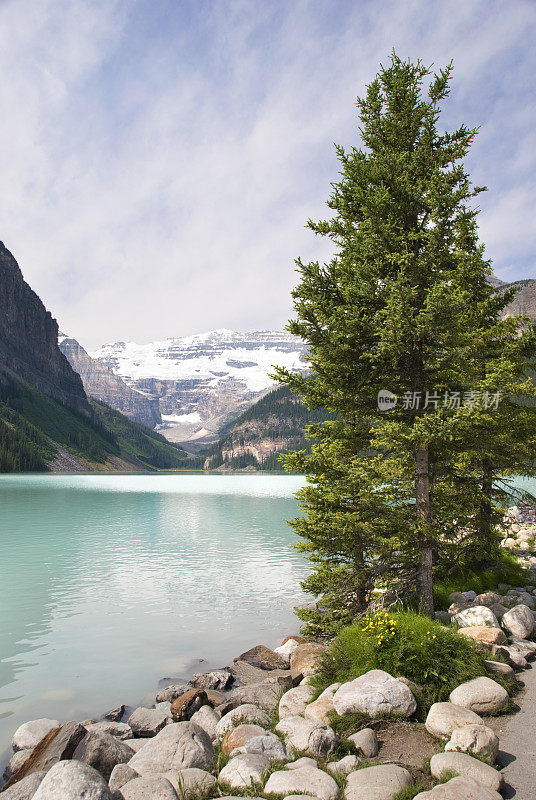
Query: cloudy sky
159, 158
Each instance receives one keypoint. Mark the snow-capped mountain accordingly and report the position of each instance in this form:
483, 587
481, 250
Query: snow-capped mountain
201, 380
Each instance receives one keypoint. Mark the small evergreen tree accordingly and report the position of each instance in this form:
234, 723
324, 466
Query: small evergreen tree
404, 306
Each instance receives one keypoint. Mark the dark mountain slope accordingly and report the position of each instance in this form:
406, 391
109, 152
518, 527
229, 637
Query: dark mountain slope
29, 340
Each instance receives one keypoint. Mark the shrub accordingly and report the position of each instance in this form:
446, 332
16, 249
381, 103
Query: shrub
458, 580
406, 644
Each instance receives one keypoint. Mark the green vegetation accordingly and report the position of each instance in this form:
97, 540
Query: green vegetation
396, 493
407, 644
138, 441
456, 579
33, 419
278, 416
410, 791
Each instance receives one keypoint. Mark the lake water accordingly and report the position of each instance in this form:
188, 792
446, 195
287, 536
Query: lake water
110, 582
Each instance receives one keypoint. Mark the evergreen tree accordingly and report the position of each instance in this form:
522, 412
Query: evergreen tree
403, 306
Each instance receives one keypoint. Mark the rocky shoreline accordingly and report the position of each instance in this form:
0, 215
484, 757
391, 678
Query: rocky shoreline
258, 728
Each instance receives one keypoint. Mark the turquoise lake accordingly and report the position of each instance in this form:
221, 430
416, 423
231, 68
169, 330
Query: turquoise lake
111, 582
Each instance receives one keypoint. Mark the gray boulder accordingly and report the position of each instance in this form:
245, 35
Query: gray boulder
121, 774
512, 655
444, 718
263, 658
377, 783
24, 789
246, 712
72, 780
305, 780
498, 668
365, 742
118, 729
218, 679
207, 718
304, 761
177, 746
477, 739
190, 782
307, 736
102, 752
476, 616
244, 770
147, 722
171, 692
265, 695
481, 695
519, 621
375, 693
151, 787
268, 744
460, 788
59, 744
466, 766
294, 702
15, 762
344, 766
29, 734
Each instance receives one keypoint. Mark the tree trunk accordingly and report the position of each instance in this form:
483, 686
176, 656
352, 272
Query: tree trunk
422, 497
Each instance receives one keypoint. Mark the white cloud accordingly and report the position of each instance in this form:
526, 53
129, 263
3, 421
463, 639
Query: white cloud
160, 160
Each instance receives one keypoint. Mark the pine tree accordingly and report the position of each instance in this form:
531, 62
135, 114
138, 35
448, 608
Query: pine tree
404, 306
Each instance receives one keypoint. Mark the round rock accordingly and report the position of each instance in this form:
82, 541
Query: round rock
477, 739
482, 695
177, 746
244, 770
307, 736
246, 712
377, 783
444, 718
305, 780
365, 742
151, 787
294, 702
29, 734
466, 766
239, 736
190, 782
73, 780
375, 693
485, 634
519, 621
476, 616
460, 788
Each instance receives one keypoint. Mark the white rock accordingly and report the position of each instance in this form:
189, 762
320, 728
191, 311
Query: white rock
121, 774
482, 695
16, 761
302, 762
190, 782
177, 746
207, 718
150, 787
29, 734
460, 788
118, 729
375, 693
286, 649
444, 718
244, 770
467, 766
519, 621
136, 744
377, 783
306, 780
268, 745
304, 735
73, 780
321, 708
293, 702
477, 739
248, 712
24, 789
365, 742
476, 616
147, 722
344, 766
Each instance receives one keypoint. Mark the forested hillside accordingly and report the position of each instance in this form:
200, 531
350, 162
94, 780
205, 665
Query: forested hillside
275, 424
